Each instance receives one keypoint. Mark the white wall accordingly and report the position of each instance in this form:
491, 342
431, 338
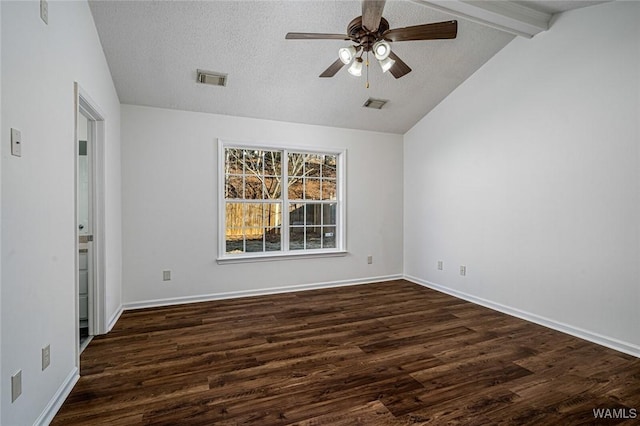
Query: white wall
528, 174
39, 66
169, 202
1, 155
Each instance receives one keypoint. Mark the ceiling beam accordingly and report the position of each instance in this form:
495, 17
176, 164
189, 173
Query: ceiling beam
503, 15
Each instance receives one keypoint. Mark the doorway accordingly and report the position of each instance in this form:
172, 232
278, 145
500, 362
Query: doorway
84, 221
89, 214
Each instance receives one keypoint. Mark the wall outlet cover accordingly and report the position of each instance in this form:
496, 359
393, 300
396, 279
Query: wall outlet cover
46, 357
16, 143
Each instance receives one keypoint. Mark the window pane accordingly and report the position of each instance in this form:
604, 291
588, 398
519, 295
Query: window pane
234, 245
314, 237
296, 189
329, 214
233, 161
329, 237
234, 215
272, 215
273, 240
233, 187
273, 163
296, 164
253, 161
254, 239
329, 166
253, 216
328, 189
296, 238
234, 238
252, 188
312, 189
296, 214
314, 212
312, 165
272, 188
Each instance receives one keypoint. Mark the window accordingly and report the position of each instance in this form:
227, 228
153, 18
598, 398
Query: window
278, 202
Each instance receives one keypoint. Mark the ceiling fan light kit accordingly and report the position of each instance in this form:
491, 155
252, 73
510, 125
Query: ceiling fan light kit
371, 33
356, 67
386, 64
381, 50
346, 54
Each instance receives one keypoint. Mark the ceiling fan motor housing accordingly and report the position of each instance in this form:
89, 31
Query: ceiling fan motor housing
359, 34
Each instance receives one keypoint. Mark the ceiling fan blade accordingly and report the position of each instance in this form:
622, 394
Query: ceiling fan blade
398, 69
372, 13
316, 36
333, 69
435, 31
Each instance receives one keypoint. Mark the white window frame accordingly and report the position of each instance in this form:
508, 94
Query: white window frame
284, 253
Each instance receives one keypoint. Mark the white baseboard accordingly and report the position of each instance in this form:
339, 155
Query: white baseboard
114, 318
609, 342
258, 292
56, 402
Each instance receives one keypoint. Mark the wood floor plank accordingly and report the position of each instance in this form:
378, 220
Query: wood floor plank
390, 353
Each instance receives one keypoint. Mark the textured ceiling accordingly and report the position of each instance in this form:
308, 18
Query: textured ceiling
557, 6
153, 49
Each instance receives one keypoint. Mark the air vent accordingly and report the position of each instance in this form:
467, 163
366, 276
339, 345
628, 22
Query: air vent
212, 78
375, 103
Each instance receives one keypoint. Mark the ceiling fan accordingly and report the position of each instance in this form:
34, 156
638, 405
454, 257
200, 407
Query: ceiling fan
371, 33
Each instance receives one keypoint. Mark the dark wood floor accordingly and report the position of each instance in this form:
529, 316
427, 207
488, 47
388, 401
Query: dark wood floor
390, 353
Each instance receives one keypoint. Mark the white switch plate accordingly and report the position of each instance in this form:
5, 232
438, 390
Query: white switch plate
16, 385
16, 142
440, 265
44, 11
166, 275
46, 357
369, 259
463, 270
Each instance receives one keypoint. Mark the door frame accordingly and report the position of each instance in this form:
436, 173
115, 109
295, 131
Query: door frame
97, 323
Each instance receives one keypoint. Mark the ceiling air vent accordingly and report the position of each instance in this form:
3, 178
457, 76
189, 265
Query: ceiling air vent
375, 103
213, 78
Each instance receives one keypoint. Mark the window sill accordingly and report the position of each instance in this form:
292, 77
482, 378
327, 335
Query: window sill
270, 257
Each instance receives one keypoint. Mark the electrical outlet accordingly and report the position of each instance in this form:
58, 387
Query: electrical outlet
166, 275
369, 259
46, 357
16, 142
16, 385
463, 270
44, 11
440, 265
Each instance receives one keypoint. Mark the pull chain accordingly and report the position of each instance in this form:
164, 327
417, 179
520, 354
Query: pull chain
367, 85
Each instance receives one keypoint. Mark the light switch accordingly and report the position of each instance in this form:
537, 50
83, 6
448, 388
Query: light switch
44, 11
16, 385
16, 143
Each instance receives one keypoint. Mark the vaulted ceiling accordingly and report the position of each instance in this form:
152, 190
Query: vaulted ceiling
154, 48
